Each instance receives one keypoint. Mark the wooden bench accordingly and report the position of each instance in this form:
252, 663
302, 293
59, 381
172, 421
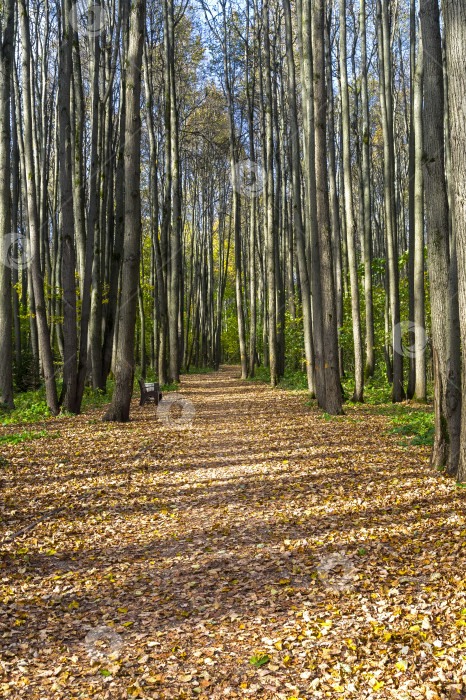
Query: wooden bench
149, 390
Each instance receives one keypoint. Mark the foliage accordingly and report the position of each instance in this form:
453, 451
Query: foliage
25, 375
416, 423
30, 407
25, 436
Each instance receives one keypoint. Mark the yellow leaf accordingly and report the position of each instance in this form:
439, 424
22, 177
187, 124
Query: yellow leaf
414, 628
377, 685
401, 665
128, 624
122, 610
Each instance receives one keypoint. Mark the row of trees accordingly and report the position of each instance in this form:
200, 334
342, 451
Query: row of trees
174, 177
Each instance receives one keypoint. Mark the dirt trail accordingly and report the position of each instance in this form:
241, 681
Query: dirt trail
248, 527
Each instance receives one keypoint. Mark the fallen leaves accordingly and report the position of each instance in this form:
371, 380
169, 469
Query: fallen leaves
211, 560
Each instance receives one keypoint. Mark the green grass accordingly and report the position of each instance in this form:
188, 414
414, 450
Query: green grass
415, 424
293, 379
30, 407
26, 436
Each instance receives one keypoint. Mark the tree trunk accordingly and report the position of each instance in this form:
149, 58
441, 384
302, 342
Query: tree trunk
420, 387
367, 204
386, 103
6, 240
269, 205
33, 218
330, 368
124, 366
297, 207
70, 336
350, 221
455, 36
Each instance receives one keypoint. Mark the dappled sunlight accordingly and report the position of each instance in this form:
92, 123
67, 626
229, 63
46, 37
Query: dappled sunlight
259, 528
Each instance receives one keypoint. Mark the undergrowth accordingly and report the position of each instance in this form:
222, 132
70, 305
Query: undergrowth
26, 436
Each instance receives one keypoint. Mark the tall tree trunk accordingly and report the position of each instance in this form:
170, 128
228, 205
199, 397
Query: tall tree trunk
420, 387
236, 204
312, 254
386, 103
297, 206
6, 56
350, 220
455, 36
367, 204
441, 269
175, 238
411, 196
124, 369
250, 96
93, 219
33, 217
70, 335
330, 368
270, 230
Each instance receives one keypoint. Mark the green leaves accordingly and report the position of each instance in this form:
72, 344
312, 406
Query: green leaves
259, 660
26, 435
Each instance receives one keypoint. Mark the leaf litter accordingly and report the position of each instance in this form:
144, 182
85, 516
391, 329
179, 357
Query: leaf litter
252, 551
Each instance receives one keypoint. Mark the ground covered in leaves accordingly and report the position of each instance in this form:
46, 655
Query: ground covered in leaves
243, 547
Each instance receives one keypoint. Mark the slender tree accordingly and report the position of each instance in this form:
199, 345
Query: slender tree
124, 366
33, 215
6, 56
329, 368
349, 211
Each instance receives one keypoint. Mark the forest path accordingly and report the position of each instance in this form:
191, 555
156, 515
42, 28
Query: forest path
251, 528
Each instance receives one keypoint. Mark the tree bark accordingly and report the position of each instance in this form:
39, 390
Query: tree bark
124, 365
6, 57
455, 36
70, 336
350, 220
33, 218
330, 368
367, 204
